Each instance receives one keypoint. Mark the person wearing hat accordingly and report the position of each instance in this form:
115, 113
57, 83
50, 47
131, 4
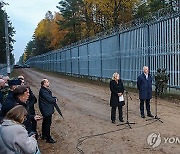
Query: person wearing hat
12, 86
9, 102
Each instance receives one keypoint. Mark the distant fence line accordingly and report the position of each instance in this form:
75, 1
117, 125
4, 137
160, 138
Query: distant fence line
155, 44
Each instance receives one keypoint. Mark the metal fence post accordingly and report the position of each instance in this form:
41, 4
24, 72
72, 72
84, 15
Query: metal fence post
101, 57
78, 62
148, 45
119, 54
88, 57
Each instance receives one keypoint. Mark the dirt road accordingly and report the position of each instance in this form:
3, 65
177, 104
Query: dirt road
87, 112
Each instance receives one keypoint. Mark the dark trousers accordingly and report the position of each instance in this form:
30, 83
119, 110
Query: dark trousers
113, 113
147, 106
33, 121
46, 124
34, 125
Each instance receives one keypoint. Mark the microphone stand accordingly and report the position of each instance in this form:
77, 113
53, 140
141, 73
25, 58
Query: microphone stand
156, 97
127, 108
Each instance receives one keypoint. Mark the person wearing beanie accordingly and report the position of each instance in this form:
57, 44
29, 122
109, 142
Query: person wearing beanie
9, 102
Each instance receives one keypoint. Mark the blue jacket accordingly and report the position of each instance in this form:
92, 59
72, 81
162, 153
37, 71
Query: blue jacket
144, 86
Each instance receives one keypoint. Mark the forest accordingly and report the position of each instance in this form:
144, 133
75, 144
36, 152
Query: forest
82, 19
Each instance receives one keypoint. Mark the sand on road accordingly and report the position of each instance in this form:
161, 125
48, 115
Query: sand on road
86, 110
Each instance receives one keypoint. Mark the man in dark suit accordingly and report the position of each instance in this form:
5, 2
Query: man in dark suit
144, 84
46, 106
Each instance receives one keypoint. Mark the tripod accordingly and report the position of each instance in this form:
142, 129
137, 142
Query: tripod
156, 117
127, 108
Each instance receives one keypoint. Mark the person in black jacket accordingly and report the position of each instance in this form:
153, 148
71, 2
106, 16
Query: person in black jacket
20, 97
30, 102
117, 90
46, 106
10, 102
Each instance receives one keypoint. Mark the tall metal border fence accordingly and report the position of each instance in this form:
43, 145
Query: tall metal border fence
155, 44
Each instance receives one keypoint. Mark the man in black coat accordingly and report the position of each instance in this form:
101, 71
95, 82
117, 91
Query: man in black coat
144, 84
117, 90
46, 106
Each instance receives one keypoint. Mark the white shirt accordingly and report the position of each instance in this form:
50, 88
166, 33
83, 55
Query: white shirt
146, 76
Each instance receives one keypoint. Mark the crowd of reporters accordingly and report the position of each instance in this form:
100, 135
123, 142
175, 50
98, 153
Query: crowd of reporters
18, 119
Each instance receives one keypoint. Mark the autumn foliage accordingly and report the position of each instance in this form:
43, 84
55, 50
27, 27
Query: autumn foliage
80, 19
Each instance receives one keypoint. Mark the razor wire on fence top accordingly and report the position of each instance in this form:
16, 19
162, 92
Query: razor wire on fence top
155, 43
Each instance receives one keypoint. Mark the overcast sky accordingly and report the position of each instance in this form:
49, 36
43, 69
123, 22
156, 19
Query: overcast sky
25, 15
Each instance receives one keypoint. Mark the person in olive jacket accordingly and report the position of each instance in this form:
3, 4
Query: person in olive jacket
117, 90
46, 106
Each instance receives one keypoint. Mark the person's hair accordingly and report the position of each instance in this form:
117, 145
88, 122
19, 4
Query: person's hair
43, 81
21, 77
144, 67
114, 75
17, 113
20, 90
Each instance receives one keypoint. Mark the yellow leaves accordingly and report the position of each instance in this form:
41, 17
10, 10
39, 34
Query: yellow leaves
24, 56
56, 34
43, 28
112, 10
50, 30
89, 18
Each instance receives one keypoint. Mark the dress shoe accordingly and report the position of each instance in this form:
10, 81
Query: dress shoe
113, 122
142, 116
121, 120
150, 115
43, 137
50, 140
